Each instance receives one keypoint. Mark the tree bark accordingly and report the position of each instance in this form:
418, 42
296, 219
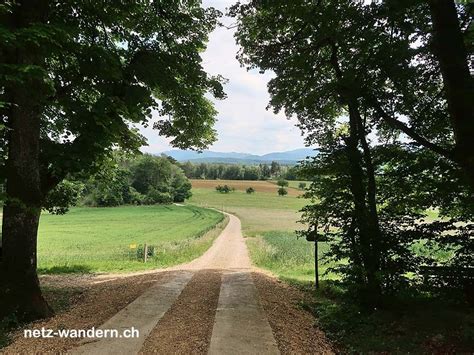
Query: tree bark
20, 293
371, 184
451, 52
367, 222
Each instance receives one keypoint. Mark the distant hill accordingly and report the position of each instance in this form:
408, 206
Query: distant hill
288, 158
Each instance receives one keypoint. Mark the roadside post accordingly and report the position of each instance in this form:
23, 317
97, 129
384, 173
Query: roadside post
313, 236
145, 253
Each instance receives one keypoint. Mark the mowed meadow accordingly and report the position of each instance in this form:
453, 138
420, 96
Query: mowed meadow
268, 221
111, 239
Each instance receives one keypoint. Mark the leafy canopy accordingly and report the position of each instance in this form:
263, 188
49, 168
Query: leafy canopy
332, 58
103, 68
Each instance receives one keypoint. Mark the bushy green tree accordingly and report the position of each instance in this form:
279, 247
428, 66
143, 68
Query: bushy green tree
332, 73
275, 168
155, 196
291, 173
109, 187
251, 173
250, 190
181, 187
159, 180
282, 191
233, 172
266, 171
75, 79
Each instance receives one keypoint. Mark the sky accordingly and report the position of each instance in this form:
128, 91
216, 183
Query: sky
244, 125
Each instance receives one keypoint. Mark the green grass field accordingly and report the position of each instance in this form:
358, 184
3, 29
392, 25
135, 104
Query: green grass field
260, 200
99, 239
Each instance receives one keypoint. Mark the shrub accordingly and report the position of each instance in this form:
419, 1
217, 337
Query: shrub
282, 191
250, 190
224, 189
109, 187
103, 197
141, 252
302, 185
154, 196
282, 183
135, 198
183, 192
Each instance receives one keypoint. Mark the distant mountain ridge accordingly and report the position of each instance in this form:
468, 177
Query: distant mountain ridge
208, 156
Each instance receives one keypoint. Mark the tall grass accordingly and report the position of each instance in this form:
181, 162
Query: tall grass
287, 256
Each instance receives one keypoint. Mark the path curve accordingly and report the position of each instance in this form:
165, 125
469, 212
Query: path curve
228, 252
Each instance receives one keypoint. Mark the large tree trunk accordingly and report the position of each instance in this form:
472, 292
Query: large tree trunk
366, 218
20, 294
451, 52
373, 217
19, 291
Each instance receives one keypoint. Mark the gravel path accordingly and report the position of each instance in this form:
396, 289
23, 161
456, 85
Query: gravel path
228, 252
217, 304
187, 326
240, 327
88, 306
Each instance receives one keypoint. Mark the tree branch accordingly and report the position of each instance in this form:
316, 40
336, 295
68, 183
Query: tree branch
410, 132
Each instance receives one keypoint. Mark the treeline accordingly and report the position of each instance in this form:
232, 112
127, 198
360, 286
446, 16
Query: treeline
139, 179
213, 171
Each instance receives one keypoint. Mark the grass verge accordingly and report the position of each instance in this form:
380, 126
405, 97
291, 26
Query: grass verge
287, 256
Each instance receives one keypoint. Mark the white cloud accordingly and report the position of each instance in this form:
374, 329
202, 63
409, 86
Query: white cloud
244, 125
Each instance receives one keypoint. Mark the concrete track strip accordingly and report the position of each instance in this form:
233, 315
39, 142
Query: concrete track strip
142, 314
241, 325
